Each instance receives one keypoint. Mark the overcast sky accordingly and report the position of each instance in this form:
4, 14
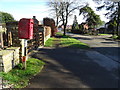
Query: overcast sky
29, 8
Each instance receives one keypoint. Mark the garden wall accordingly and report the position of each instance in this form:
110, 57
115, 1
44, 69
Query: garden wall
47, 33
9, 58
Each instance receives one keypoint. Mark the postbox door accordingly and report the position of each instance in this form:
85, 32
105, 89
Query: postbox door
25, 29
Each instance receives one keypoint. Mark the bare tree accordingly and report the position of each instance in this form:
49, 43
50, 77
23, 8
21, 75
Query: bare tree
64, 9
55, 9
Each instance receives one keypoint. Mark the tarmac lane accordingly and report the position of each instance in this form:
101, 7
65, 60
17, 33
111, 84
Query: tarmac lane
102, 44
75, 68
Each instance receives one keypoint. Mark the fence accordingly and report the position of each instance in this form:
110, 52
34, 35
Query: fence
2, 31
38, 38
40, 35
11, 40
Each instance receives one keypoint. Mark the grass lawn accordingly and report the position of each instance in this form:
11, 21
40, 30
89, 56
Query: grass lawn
65, 41
20, 78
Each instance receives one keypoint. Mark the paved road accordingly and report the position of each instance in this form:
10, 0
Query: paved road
75, 68
102, 44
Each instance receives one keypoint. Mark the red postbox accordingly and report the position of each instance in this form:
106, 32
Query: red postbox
25, 28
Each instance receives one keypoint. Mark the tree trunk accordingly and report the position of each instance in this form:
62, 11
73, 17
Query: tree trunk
118, 20
65, 27
66, 20
64, 31
57, 21
65, 24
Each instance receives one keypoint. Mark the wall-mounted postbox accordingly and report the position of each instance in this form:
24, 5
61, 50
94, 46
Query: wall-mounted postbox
25, 28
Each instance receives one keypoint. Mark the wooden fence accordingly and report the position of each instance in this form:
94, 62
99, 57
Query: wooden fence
40, 35
2, 31
10, 44
12, 34
38, 38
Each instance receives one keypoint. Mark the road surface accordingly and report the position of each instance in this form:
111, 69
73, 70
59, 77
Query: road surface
102, 44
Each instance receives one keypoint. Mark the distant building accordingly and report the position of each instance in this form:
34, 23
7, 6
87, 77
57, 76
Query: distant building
69, 27
85, 26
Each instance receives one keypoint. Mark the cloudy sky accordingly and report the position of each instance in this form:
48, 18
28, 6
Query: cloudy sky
39, 8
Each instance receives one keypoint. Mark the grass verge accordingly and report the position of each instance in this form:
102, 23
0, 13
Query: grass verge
49, 42
73, 43
59, 34
114, 37
19, 78
65, 41
104, 34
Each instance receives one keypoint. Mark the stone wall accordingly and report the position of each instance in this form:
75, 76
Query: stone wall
9, 58
47, 33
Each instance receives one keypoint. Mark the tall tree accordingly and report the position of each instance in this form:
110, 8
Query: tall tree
113, 8
91, 17
6, 17
65, 9
75, 23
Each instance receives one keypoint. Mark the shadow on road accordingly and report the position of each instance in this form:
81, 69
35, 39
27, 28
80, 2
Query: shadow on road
76, 66
83, 38
109, 42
